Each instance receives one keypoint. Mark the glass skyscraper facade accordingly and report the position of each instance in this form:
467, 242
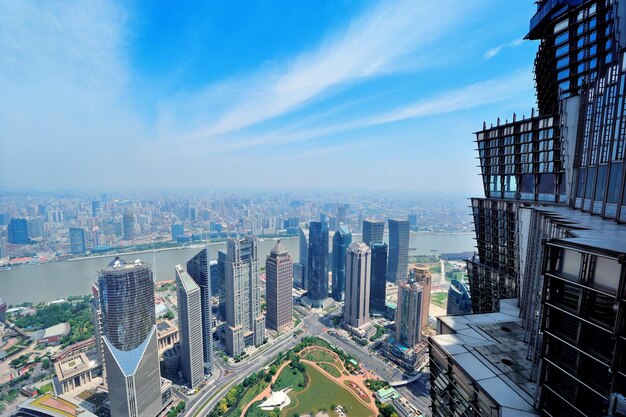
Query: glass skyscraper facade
373, 231
378, 279
398, 258
341, 240
199, 270
317, 286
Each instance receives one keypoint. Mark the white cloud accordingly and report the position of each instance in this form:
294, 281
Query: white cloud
496, 50
372, 45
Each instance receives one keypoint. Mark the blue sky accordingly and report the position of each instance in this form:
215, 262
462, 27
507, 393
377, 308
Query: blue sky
324, 94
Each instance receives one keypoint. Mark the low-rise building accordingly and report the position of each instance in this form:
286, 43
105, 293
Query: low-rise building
72, 372
167, 335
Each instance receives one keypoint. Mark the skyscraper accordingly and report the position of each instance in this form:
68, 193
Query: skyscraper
301, 276
373, 231
245, 324
178, 229
408, 313
358, 272
317, 287
398, 259
422, 276
95, 206
77, 240
190, 327
3, 241
198, 269
18, 232
459, 301
128, 222
221, 269
215, 274
279, 282
130, 339
378, 281
341, 241
342, 213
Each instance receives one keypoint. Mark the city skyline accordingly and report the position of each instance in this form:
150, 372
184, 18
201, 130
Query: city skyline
348, 74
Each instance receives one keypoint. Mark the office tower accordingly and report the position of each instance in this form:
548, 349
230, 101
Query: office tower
190, 326
341, 241
128, 222
215, 276
550, 233
301, 277
423, 278
378, 281
409, 313
35, 228
373, 231
279, 282
317, 286
96, 320
398, 259
77, 240
245, 324
3, 241
18, 232
413, 221
356, 311
342, 213
95, 206
199, 270
221, 269
178, 229
459, 301
130, 339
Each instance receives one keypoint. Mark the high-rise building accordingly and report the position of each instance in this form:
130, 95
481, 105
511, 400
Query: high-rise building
3, 241
373, 231
342, 213
96, 320
130, 339
178, 229
128, 222
35, 228
317, 286
245, 324
413, 221
279, 282
18, 232
356, 311
398, 258
77, 240
301, 276
95, 206
550, 234
190, 311
459, 301
409, 313
199, 270
378, 281
215, 276
221, 269
341, 241
422, 276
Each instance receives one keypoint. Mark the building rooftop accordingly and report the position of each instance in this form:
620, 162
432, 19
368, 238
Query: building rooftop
74, 366
490, 348
279, 249
49, 405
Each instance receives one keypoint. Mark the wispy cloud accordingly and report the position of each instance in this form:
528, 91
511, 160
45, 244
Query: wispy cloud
372, 45
463, 98
496, 50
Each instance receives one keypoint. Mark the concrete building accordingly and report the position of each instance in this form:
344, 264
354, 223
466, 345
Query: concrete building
278, 286
77, 241
245, 324
129, 338
317, 285
422, 276
200, 271
72, 372
409, 313
373, 231
398, 259
167, 335
358, 271
190, 327
341, 240
128, 224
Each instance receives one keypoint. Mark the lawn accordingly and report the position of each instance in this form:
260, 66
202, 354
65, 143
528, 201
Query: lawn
439, 299
322, 393
289, 377
252, 392
331, 369
46, 388
319, 355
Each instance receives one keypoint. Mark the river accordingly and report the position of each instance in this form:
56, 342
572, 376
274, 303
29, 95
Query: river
54, 280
